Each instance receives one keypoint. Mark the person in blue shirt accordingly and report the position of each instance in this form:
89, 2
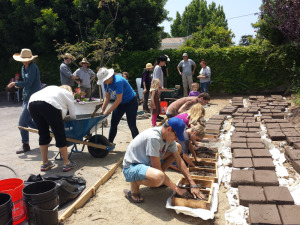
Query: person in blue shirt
126, 101
31, 83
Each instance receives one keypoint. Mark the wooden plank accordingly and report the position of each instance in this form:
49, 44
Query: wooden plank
68, 139
89, 193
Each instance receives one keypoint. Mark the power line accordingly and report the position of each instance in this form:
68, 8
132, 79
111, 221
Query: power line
243, 16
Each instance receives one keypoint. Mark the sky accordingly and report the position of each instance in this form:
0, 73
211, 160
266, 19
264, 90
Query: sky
232, 8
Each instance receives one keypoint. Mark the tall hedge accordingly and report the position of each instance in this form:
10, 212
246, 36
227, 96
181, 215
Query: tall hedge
238, 70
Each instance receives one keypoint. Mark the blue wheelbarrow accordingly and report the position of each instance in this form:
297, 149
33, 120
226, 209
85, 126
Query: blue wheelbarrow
79, 132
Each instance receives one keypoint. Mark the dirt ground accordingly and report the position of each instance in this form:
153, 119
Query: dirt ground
109, 206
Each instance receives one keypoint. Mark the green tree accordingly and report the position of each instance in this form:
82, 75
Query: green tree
210, 35
198, 14
245, 40
139, 19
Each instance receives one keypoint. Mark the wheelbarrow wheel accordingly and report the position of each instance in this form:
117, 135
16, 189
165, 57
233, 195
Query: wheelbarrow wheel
98, 152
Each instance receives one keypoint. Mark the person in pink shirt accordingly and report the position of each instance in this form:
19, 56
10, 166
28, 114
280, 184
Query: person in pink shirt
193, 116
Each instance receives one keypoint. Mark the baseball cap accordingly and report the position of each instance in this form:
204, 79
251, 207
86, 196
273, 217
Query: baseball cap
178, 126
184, 54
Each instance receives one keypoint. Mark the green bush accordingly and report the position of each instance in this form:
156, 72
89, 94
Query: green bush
235, 70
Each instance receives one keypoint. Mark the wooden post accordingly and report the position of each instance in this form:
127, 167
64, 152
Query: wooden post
84, 197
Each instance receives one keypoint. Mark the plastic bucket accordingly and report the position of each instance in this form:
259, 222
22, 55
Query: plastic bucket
6, 207
39, 216
42, 202
163, 107
41, 194
14, 187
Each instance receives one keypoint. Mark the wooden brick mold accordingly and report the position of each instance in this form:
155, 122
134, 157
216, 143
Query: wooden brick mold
192, 203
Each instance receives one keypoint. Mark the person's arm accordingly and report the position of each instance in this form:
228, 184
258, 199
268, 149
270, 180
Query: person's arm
115, 105
155, 162
70, 104
178, 68
152, 99
192, 150
64, 70
195, 66
182, 167
92, 75
184, 107
106, 101
207, 75
188, 160
145, 90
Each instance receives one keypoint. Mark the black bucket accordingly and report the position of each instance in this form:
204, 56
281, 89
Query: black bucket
41, 194
42, 202
6, 207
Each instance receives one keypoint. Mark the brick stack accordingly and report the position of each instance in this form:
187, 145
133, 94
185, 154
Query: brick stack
258, 186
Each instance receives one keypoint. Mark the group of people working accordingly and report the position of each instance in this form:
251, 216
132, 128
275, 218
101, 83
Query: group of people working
148, 155
48, 107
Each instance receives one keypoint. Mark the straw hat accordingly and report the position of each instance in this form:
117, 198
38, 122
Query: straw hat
84, 60
24, 56
149, 66
104, 74
68, 56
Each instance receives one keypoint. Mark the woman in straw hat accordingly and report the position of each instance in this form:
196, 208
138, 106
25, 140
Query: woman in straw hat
31, 83
145, 84
66, 76
126, 101
86, 75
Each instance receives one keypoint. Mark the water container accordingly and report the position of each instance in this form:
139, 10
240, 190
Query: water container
14, 187
163, 107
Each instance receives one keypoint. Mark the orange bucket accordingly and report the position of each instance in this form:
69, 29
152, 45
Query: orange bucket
14, 187
163, 107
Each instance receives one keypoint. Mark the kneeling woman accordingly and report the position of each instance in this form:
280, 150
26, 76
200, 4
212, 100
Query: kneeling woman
126, 101
48, 107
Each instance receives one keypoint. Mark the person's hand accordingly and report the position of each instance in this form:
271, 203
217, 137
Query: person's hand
181, 192
197, 193
180, 73
11, 84
154, 107
145, 90
198, 159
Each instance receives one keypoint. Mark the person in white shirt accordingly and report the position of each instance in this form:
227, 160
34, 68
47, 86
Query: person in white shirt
48, 107
158, 74
204, 76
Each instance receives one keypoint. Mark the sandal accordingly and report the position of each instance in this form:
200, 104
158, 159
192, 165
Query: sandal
129, 195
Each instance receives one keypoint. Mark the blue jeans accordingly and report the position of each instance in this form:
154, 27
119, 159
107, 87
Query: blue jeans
130, 108
25, 120
204, 86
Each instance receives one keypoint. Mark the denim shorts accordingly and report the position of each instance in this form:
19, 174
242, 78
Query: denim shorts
135, 172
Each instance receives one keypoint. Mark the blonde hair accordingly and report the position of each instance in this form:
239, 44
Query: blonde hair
195, 85
67, 87
200, 131
195, 113
155, 84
